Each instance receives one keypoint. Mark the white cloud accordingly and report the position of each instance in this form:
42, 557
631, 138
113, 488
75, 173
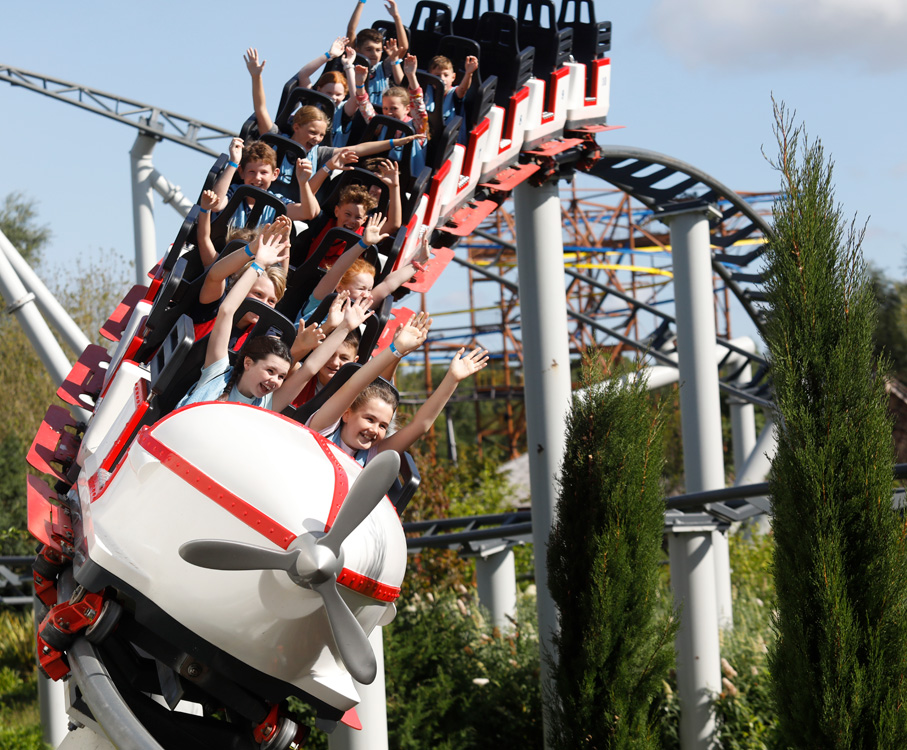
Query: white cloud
773, 33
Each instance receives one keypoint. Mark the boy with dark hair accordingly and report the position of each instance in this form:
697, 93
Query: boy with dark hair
370, 43
443, 68
257, 166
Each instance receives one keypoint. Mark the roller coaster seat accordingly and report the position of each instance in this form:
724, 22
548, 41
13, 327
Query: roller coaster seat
389, 29
539, 28
503, 55
382, 127
591, 39
263, 199
431, 21
303, 97
466, 26
286, 150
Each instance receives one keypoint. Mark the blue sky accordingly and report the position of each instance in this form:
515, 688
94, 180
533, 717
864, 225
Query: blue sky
691, 78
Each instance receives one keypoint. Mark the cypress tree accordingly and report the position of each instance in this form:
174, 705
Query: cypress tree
614, 647
838, 664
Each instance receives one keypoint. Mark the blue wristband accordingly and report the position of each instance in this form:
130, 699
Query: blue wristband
363, 244
392, 143
395, 351
202, 210
257, 268
327, 55
398, 62
249, 252
233, 164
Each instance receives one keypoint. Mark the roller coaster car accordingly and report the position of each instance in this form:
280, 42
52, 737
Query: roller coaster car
239, 556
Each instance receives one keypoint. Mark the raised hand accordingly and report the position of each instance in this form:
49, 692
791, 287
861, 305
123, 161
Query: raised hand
424, 254
343, 160
209, 200
410, 63
462, 367
372, 234
349, 55
335, 314
361, 74
303, 170
270, 249
472, 64
412, 334
253, 64
357, 311
236, 147
309, 336
391, 6
337, 46
392, 49
389, 172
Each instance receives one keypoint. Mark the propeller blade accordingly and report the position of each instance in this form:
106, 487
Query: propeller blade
352, 642
370, 486
221, 554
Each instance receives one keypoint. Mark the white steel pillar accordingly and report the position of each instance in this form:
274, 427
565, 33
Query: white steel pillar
496, 584
546, 368
21, 303
143, 205
70, 332
700, 572
372, 710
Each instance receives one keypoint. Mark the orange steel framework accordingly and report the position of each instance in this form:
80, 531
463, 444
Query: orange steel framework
611, 240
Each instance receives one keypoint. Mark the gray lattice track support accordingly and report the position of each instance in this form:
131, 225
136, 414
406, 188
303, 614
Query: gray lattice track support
699, 561
372, 710
546, 367
496, 584
143, 205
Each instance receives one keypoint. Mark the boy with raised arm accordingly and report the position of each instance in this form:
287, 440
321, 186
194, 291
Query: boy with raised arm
257, 164
370, 42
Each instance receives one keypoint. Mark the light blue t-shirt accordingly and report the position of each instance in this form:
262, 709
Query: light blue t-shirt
211, 385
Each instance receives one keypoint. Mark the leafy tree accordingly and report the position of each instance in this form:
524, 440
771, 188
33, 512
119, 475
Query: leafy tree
17, 221
615, 644
839, 663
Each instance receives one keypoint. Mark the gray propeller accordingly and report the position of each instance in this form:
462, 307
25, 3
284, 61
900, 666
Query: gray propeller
314, 562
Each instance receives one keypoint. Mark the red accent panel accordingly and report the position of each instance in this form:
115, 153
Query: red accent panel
556, 77
368, 586
140, 394
211, 489
468, 217
591, 129
43, 515
592, 81
469, 160
351, 719
400, 316
509, 178
515, 101
53, 443
433, 268
550, 148
86, 377
113, 328
436, 181
341, 481
268, 728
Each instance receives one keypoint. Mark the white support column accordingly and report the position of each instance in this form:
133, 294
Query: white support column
546, 368
71, 333
691, 556
496, 584
372, 710
143, 205
52, 706
756, 469
699, 561
21, 303
170, 194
